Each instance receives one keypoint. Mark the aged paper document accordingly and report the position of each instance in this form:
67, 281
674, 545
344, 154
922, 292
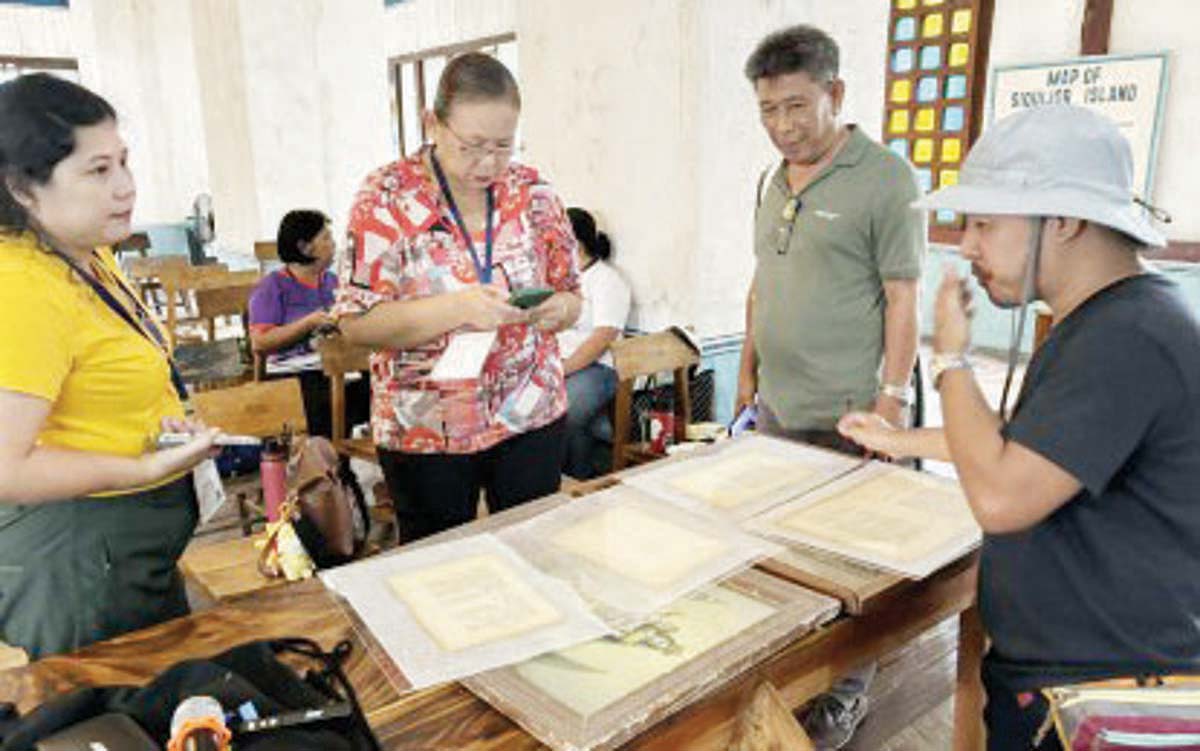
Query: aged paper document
639, 546
471, 601
743, 477
732, 480
891, 517
588, 677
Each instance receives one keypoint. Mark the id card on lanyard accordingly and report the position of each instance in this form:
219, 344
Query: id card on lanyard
483, 270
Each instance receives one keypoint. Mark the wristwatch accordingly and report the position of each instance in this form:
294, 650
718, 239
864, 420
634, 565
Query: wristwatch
940, 363
902, 394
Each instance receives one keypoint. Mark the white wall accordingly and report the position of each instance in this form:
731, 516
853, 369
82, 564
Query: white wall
154, 87
225, 118
27, 31
639, 109
636, 108
423, 24
733, 149
606, 118
1142, 26
312, 72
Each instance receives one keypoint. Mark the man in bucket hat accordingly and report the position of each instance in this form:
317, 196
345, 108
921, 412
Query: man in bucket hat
1088, 494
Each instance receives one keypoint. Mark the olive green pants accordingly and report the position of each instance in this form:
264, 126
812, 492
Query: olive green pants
82, 570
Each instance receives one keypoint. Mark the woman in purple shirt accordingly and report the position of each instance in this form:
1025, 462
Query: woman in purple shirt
291, 303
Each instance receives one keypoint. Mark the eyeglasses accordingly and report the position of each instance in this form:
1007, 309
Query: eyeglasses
787, 225
477, 152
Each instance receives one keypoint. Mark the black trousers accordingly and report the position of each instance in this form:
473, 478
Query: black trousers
1013, 718
434, 492
318, 407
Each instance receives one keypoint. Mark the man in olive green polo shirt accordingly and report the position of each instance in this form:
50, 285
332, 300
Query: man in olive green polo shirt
832, 314
831, 318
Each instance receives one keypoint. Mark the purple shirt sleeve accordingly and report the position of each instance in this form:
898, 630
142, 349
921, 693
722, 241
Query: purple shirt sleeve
266, 303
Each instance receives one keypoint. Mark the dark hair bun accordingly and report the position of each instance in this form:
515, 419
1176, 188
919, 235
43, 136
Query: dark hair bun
602, 248
583, 224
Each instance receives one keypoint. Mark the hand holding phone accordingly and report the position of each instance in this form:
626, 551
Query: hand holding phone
529, 297
167, 440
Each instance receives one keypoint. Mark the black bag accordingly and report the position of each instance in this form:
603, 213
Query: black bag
661, 396
252, 672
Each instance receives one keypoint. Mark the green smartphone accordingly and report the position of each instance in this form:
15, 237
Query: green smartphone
529, 297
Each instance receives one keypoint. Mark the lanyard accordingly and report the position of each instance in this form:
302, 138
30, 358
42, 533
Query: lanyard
484, 270
146, 328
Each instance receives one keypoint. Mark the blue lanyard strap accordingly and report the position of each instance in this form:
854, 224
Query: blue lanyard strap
484, 270
146, 329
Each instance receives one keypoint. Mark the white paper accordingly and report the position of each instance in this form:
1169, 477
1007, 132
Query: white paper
908, 522
446, 611
743, 477
210, 492
631, 553
294, 364
464, 356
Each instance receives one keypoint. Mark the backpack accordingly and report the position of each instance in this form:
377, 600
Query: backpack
248, 675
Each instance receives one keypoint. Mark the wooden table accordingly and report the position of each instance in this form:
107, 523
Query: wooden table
884, 613
450, 717
211, 363
226, 570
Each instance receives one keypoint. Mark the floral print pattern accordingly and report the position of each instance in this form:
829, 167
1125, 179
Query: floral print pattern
405, 245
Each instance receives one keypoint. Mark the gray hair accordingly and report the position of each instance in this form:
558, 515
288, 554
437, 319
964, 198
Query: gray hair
796, 49
474, 76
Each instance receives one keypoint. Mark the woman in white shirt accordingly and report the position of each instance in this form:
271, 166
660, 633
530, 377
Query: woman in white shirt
591, 380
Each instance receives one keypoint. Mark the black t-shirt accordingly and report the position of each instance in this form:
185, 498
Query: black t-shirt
1109, 584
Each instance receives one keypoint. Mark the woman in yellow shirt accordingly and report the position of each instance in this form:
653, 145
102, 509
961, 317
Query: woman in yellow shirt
92, 518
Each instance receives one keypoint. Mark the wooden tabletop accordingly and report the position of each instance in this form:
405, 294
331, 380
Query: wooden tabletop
889, 613
226, 570
449, 716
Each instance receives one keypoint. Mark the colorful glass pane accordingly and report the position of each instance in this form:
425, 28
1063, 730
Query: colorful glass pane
931, 58
960, 53
927, 89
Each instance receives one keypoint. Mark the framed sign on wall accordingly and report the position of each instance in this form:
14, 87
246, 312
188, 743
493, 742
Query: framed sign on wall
1130, 89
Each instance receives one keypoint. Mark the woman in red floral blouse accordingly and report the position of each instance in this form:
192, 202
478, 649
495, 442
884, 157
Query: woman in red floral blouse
439, 243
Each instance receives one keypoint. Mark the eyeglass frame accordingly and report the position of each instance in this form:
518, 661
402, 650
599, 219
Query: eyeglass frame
787, 226
478, 152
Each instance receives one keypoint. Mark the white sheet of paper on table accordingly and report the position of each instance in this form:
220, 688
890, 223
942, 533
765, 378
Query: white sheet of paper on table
904, 521
631, 553
464, 356
472, 601
743, 477
638, 546
446, 611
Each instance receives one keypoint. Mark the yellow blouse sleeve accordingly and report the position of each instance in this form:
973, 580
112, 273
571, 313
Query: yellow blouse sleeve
35, 354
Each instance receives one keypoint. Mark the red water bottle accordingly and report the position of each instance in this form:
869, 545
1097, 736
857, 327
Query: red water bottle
273, 472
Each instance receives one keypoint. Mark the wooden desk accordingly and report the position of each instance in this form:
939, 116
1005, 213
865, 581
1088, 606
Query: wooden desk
450, 717
225, 570
211, 364
890, 612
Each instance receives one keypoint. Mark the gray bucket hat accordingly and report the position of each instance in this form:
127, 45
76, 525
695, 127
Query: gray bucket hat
1056, 160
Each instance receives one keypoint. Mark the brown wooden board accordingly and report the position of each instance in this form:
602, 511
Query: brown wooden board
600, 694
855, 584
225, 570
449, 717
